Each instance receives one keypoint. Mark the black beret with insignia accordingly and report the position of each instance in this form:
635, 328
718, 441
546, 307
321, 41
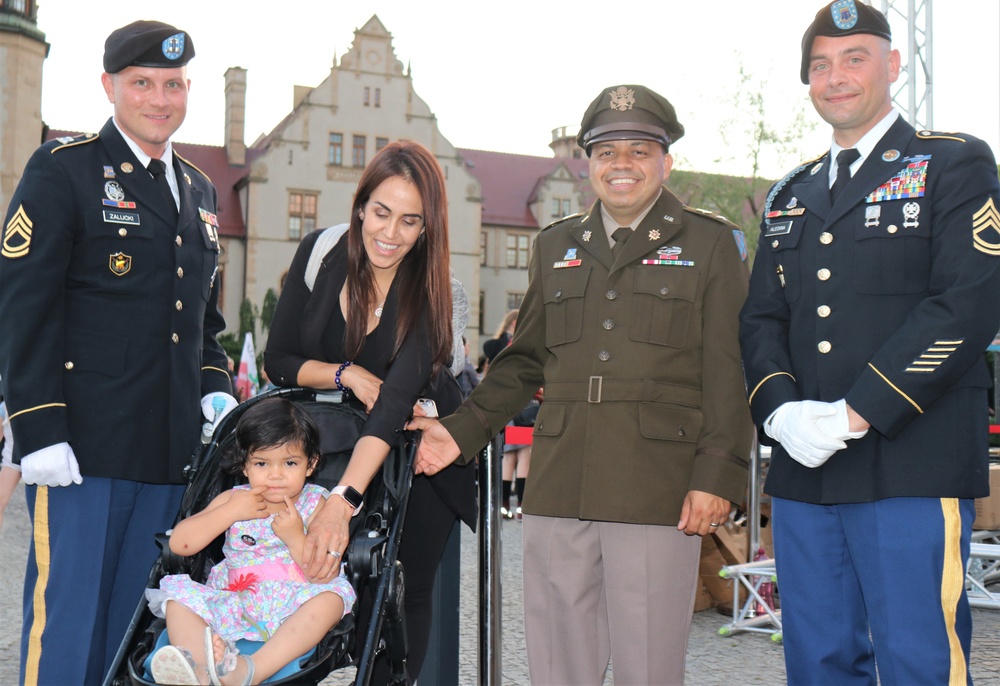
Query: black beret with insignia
629, 113
147, 44
842, 18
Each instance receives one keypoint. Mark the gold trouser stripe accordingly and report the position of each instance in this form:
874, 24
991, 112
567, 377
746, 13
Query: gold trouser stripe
40, 528
37, 407
952, 583
895, 388
762, 381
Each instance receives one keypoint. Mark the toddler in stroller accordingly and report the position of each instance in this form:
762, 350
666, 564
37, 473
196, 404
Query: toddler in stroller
257, 592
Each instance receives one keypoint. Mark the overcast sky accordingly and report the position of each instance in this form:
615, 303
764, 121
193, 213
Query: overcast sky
501, 75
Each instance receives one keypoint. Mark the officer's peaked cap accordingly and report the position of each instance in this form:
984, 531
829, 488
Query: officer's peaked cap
629, 112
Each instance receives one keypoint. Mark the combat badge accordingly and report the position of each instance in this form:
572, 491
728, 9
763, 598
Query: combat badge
17, 235
114, 191
985, 229
120, 264
911, 214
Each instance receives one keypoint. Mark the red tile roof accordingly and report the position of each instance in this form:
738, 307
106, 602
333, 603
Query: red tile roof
510, 183
212, 160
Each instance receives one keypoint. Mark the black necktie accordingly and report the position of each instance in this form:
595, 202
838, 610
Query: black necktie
159, 171
620, 235
845, 158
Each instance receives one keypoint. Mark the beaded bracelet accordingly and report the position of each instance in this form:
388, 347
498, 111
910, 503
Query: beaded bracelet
340, 370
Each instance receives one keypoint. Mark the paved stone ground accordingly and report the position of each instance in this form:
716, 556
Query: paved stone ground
713, 660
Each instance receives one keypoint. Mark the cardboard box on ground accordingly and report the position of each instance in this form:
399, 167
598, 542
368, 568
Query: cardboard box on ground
988, 509
727, 546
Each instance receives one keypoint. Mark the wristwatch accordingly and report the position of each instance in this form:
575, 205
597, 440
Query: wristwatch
351, 495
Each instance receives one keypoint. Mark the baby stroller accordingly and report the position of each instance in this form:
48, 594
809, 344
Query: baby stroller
370, 557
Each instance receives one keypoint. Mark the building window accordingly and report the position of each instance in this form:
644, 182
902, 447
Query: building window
517, 251
378, 97
335, 156
482, 248
560, 207
359, 151
381, 143
301, 214
367, 95
514, 301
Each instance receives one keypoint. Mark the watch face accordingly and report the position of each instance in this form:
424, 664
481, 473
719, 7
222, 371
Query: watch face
352, 496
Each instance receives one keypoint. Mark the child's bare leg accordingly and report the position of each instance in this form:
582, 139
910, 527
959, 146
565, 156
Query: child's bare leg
187, 630
295, 636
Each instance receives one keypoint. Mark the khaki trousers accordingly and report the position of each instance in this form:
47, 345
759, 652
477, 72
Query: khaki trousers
600, 591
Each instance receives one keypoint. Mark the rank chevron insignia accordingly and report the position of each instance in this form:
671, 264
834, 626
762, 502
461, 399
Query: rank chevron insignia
985, 229
17, 235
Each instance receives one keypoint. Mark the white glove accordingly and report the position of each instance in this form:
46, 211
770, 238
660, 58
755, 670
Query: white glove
55, 465
837, 425
217, 405
794, 426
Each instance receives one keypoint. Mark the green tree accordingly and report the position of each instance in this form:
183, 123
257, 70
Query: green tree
755, 142
267, 309
248, 321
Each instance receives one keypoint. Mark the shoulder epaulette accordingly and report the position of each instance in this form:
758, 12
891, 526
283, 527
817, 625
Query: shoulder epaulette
927, 135
72, 141
188, 163
557, 222
707, 213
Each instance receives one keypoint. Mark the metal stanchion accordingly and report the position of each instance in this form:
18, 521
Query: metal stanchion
753, 501
490, 596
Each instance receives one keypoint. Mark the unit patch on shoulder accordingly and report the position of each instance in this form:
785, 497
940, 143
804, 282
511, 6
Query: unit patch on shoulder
17, 235
741, 244
985, 230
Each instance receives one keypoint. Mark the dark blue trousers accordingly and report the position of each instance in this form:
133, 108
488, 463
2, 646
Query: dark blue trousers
874, 586
89, 560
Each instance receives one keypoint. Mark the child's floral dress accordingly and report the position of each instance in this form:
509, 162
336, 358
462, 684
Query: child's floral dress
257, 586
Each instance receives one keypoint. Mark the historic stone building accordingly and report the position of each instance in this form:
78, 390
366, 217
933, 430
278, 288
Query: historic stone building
22, 51
301, 176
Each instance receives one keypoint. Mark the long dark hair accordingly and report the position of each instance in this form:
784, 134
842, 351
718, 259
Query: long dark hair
423, 279
271, 423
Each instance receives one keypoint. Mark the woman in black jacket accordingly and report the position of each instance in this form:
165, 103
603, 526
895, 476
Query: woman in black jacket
377, 323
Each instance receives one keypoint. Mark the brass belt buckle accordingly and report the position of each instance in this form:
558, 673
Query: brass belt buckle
594, 389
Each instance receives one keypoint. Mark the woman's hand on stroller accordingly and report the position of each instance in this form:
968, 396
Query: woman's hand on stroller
326, 540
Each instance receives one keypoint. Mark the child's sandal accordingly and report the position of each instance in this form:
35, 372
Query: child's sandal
229, 659
173, 665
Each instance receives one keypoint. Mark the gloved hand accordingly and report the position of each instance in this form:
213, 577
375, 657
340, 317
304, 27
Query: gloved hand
217, 405
54, 465
837, 425
794, 426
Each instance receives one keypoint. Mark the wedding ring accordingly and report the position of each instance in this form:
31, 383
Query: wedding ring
713, 524
333, 552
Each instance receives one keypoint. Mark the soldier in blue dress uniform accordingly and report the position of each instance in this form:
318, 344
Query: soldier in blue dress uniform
109, 309
872, 299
